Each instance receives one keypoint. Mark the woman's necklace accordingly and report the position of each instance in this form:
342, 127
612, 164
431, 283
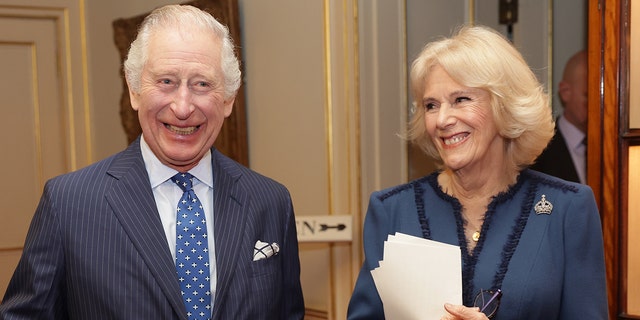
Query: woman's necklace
475, 236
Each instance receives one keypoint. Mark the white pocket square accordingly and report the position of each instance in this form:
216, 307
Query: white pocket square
263, 250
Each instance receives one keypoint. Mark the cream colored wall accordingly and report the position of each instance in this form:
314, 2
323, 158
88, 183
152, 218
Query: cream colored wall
634, 65
286, 105
319, 125
633, 253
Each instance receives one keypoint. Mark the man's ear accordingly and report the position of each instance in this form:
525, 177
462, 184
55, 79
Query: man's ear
564, 91
134, 98
228, 106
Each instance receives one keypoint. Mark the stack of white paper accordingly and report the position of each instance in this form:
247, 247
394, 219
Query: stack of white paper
417, 277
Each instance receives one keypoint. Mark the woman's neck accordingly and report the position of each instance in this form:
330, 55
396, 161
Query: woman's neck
475, 192
476, 188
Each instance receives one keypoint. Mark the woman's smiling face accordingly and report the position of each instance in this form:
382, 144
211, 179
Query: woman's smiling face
460, 122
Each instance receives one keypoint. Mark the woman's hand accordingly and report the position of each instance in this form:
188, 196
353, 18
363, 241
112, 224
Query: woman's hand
460, 312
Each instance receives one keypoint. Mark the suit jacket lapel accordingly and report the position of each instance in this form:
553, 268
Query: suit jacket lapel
230, 212
133, 203
565, 167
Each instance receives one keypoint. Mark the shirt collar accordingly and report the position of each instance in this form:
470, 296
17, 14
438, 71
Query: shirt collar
159, 172
572, 135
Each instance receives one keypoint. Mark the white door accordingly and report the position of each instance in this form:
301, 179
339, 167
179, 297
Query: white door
43, 132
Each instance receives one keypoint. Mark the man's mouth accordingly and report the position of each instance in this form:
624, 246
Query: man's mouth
182, 130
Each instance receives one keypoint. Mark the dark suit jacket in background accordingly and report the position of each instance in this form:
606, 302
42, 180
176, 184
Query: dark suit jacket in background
96, 248
556, 160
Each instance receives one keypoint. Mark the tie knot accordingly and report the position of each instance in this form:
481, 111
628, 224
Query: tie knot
183, 180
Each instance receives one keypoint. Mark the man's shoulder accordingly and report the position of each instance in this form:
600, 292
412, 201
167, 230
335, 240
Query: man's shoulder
100, 168
241, 173
546, 182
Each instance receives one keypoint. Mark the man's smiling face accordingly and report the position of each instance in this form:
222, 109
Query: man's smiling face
181, 105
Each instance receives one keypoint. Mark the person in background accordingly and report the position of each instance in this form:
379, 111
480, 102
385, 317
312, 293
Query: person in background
482, 114
108, 241
565, 156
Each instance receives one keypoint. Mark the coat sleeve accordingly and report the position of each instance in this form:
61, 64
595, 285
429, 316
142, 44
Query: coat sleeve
36, 290
585, 290
365, 301
292, 300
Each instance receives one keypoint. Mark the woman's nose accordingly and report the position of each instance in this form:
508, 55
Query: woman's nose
445, 116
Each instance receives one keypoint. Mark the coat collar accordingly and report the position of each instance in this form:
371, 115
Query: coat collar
131, 198
231, 208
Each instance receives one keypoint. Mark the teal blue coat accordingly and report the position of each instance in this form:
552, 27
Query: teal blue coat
548, 265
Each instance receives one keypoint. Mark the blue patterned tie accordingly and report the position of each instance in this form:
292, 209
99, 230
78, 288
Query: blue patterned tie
192, 252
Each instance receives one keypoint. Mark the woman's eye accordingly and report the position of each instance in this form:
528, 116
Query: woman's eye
429, 106
165, 81
462, 99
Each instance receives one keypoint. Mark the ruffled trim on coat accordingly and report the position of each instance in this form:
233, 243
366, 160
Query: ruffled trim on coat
470, 260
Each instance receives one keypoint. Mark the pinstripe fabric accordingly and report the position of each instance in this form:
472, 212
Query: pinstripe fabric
86, 256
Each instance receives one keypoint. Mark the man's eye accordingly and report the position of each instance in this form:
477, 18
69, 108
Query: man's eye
166, 81
201, 86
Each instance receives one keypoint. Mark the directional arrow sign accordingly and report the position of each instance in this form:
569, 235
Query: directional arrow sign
324, 228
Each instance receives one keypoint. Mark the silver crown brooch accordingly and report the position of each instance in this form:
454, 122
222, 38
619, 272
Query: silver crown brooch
543, 206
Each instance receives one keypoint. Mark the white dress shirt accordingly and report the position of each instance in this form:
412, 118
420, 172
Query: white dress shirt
574, 139
167, 194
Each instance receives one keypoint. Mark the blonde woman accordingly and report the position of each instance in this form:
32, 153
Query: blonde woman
482, 114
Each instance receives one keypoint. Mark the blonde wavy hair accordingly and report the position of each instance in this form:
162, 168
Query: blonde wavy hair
480, 57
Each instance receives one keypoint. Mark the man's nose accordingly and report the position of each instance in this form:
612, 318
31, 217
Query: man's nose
182, 105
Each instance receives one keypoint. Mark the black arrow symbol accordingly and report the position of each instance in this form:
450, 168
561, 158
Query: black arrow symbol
340, 227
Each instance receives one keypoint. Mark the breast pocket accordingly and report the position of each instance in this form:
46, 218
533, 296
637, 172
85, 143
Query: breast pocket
267, 276
265, 267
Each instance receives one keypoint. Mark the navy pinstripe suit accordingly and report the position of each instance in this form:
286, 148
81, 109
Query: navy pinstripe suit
96, 248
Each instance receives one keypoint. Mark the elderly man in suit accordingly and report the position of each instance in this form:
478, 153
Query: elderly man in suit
565, 156
169, 228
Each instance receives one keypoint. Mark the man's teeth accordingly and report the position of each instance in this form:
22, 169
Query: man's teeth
453, 140
179, 130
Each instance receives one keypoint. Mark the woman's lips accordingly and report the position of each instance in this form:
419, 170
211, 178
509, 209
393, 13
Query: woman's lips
455, 138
